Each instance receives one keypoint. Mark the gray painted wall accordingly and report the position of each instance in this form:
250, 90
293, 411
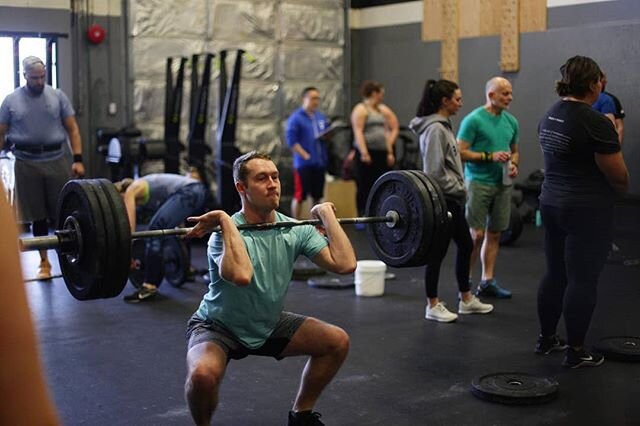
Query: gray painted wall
398, 58
90, 75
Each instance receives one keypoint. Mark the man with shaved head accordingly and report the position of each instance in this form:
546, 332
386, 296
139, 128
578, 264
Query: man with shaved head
488, 143
37, 120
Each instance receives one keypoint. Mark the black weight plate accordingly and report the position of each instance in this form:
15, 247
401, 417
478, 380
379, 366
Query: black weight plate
84, 274
110, 237
332, 281
122, 234
176, 260
303, 269
515, 388
440, 217
136, 274
619, 348
407, 243
512, 233
428, 238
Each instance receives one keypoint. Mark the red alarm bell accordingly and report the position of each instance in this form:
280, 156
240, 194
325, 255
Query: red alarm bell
95, 34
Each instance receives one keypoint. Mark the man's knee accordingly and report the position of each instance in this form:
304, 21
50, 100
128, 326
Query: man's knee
205, 377
493, 236
477, 235
339, 342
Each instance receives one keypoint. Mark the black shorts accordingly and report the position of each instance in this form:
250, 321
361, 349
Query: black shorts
200, 331
308, 181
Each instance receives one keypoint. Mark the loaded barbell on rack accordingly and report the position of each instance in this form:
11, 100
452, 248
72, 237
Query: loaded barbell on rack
406, 212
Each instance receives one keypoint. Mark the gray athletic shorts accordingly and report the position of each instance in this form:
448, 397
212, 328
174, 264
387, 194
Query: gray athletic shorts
38, 184
488, 206
200, 331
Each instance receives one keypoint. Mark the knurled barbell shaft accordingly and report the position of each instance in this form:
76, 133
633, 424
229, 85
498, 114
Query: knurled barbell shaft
53, 242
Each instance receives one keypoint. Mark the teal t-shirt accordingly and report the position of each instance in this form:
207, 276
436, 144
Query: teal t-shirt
487, 132
250, 313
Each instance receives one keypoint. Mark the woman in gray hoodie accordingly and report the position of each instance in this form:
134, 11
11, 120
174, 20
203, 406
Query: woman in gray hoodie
441, 161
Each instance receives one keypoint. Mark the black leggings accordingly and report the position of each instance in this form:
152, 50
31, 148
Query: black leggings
576, 244
367, 174
459, 231
40, 228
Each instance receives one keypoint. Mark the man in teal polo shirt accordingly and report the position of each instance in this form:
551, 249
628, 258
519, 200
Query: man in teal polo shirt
242, 314
488, 142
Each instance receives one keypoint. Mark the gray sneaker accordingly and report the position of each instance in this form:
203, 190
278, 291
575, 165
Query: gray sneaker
474, 306
440, 313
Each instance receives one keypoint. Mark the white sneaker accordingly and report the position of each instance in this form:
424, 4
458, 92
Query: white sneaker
440, 313
474, 306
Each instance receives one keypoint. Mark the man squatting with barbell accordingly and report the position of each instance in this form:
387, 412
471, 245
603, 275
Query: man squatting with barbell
242, 314
170, 198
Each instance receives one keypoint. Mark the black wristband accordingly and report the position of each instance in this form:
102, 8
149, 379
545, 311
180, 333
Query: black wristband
488, 157
77, 158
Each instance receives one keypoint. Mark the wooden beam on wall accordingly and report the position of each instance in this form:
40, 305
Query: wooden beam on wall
533, 16
449, 46
449, 20
510, 36
481, 18
432, 20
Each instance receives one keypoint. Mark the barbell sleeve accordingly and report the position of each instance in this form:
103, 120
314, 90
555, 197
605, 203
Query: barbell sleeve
39, 243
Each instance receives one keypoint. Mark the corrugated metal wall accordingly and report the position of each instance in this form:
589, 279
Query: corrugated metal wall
290, 44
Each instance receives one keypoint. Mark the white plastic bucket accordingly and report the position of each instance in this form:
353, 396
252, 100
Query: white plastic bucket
370, 278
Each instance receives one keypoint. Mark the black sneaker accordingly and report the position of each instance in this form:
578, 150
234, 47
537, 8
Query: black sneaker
143, 293
305, 418
581, 358
546, 345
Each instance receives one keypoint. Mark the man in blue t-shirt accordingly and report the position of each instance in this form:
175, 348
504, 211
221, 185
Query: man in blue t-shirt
310, 157
609, 105
242, 314
488, 142
37, 120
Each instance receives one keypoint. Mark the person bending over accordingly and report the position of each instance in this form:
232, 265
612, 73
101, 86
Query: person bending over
170, 198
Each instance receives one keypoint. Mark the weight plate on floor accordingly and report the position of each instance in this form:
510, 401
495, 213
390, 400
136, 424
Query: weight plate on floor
512, 233
619, 348
84, 275
515, 388
408, 242
332, 281
136, 273
175, 256
303, 269
176, 260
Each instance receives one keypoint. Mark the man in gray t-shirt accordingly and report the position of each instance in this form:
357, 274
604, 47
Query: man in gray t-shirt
35, 121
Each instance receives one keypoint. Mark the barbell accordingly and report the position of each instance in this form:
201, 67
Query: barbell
406, 211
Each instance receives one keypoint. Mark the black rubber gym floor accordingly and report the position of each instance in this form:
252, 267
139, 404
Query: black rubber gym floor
110, 363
